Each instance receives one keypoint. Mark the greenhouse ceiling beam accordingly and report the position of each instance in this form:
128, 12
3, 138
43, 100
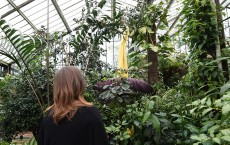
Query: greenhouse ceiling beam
227, 5
226, 18
223, 2
18, 7
125, 3
165, 12
177, 18
174, 22
22, 14
61, 15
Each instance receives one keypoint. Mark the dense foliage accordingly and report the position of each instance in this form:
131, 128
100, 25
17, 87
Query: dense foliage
20, 111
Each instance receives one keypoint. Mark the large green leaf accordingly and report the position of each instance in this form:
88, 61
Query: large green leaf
226, 138
192, 128
225, 132
216, 140
226, 109
146, 116
17, 47
101, 3
225, 87
206, 111
155, 123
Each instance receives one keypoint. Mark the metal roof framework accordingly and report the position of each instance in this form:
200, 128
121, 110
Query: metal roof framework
29, 16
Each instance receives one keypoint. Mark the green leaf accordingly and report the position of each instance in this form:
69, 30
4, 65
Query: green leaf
5, 28
206, 126
105, 94
200, 46
197, 143
226, 109
178, 121
195, 137
146, 116
85, 27
12, 57
149, 30
218, 103
137, 123
101, 3
206, 111
154, 48
155, 122
216, 140
209, 102
192, 110
2, 21
16, 36
201, 137
94, 13
125, 87
226, 138
151, 104
202, 101
225, 87
214, 128
217, 60
225, 132
89, 20
203, 2
192, 128
142, 30
11, 33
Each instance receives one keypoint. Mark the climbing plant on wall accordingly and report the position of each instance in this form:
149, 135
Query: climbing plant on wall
201, 34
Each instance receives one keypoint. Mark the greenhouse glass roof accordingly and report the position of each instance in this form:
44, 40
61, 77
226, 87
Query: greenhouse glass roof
29, 16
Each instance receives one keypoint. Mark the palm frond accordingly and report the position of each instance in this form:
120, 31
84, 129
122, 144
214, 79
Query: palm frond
18, 47
21, 49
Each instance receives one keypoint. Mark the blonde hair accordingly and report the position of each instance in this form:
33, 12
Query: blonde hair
68, 90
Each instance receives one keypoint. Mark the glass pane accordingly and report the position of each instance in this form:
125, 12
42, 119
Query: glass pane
56, 24
29, 31
18, 2
3, 3
59, 27
5, 8
71, 10
126, 3
32, 6
14, 15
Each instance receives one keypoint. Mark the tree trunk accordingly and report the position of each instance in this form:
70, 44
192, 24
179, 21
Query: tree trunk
153, 58
222, 37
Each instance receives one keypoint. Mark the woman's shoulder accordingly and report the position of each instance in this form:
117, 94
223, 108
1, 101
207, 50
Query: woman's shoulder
90, 109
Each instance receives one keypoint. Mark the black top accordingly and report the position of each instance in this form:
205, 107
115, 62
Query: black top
85, 128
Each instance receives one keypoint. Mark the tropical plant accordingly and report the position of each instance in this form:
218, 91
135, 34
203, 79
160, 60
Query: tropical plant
143, 29
21, 49
20, 111
212, 120
95, 29
172, 68
202, 35
30, 142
